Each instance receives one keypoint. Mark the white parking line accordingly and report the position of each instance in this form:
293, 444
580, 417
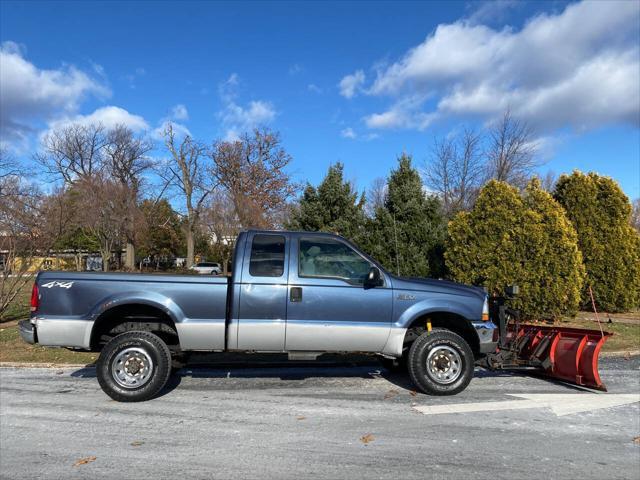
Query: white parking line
560, 404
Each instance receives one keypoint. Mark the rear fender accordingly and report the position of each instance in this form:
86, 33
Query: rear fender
151, 299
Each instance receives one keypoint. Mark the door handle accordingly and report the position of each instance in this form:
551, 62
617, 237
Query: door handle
295, 294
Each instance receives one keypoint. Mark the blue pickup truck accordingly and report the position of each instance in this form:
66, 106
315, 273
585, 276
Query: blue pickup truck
297, 292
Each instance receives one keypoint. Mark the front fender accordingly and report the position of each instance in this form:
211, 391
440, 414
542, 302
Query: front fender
426, 306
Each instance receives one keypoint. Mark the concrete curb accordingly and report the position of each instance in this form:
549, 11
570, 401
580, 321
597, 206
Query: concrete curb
43, 365
623, 353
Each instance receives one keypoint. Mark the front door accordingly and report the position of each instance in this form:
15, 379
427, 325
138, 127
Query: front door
329, 308
263, 294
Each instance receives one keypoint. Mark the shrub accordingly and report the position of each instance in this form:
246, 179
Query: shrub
525, 240
601, 214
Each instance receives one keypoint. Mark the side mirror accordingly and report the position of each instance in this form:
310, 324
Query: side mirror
374, 278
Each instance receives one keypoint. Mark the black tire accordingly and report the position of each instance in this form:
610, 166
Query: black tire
144, 350
394, 364
449, 350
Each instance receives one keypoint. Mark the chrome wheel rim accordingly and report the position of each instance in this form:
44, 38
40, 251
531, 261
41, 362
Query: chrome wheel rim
132, 367
444, 365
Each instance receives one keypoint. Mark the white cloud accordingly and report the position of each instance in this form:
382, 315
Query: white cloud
295, 69
348, 133
237, 118
579, 67
179, 130
312, 87
490, 10
405, 113
134, 76
351, 84
109, 117
180, 112
30, 96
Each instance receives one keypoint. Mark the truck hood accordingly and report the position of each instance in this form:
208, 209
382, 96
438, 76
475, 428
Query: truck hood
440, 286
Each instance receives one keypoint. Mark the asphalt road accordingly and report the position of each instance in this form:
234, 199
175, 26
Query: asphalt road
325, 422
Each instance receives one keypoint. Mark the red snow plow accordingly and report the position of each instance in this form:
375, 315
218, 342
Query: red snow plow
563, 353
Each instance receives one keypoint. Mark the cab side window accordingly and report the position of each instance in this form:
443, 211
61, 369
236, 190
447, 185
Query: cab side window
325, 257
267, 256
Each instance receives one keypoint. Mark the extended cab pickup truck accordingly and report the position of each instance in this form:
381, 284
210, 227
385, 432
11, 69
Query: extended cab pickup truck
297, 292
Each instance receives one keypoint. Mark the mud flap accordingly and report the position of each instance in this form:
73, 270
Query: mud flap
568, 354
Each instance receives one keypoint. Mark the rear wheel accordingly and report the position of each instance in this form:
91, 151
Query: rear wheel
440, 362
134, 366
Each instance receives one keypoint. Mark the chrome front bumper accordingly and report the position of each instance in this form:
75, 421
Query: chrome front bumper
487, 336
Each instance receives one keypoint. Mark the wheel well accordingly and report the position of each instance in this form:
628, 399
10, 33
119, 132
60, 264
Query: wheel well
445, 320
125, 318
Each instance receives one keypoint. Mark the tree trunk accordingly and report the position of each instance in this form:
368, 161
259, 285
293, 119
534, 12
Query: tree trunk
105, 253
190, 247
130, 256
105, 260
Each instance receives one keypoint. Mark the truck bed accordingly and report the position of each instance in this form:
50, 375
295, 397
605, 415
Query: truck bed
73, 301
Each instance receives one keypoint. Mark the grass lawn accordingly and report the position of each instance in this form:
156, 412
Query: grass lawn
626, 336
19, 308
14, 349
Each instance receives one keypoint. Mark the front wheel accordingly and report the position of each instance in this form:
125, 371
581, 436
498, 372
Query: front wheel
134, 366
440, 363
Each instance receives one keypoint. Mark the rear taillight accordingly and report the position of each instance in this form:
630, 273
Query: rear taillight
35, 298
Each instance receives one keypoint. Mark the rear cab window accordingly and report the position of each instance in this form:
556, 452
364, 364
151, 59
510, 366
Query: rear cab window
267, 256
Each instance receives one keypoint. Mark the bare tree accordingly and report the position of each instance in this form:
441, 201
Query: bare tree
511, 155
20, 226
635, 215
375, 196
549, 180
222, 226
455, 170
253, 172
104, 221
73, 152
187, 174
126, 161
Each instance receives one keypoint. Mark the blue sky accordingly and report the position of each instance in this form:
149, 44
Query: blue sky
353, 82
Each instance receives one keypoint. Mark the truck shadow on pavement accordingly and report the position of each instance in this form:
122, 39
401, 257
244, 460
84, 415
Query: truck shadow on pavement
290, 371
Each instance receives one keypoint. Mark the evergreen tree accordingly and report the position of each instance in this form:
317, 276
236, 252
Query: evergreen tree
601, 215
407, 234
333, 207
507, 239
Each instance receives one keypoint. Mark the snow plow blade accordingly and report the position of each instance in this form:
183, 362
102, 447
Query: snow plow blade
567, 354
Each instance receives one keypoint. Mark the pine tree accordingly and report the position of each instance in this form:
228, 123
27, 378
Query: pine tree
334, 206
508, 239
601, 215
407, 234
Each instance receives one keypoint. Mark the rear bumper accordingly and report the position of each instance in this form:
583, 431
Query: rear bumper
27, 331
487, 335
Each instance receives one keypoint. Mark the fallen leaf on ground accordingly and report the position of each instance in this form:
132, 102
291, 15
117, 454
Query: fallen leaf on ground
301, 417
84, 461
413, 393
60, 372
390, 394
368, 438
636, 440
137, 443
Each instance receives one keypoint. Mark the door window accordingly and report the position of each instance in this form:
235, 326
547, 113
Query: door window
267, 256
325, 257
